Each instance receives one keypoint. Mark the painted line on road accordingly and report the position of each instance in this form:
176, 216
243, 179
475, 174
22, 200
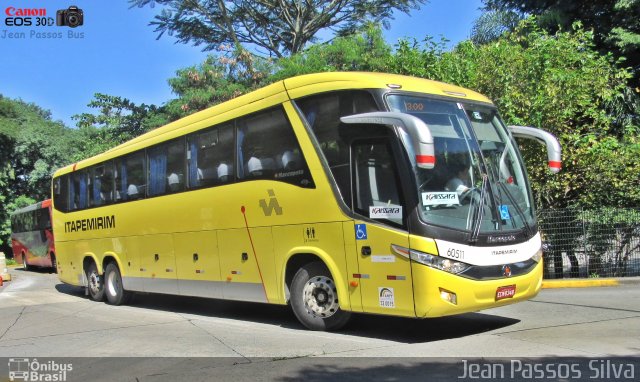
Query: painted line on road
586, 283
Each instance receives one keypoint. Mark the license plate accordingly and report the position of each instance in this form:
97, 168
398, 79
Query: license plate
505, 292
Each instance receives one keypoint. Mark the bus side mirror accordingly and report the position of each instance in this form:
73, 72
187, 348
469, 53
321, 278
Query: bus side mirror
421, 138
554, 152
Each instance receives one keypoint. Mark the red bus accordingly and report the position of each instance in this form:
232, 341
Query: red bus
32, 236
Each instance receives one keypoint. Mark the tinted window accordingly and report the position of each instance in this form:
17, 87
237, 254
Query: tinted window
101, 191
376, 184
79, 190
268, 149
61, 193
166, 168
130, 177
211, 156
323, 113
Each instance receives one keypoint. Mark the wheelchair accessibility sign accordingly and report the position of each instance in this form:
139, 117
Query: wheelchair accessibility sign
361, 232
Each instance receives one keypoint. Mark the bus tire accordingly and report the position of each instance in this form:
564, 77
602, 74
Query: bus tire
116, 295
314, 299
95, 283
54, 263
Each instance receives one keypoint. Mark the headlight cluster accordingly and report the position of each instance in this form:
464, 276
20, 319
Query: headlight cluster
438, 262
538, 256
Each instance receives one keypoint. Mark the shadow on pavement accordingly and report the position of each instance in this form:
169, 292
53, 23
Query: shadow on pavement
399, 329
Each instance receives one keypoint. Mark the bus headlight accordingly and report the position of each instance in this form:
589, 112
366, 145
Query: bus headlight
439, 262
538, 256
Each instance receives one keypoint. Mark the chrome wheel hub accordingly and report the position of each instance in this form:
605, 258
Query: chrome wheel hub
94, 282
320, 297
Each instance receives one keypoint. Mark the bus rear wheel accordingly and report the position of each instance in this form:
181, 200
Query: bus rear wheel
116, 295
314, 299
96, 283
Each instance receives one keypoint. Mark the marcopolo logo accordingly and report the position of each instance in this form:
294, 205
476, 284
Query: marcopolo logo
24, 369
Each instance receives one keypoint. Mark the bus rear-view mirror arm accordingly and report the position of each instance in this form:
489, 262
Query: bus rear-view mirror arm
421, 138
554, 152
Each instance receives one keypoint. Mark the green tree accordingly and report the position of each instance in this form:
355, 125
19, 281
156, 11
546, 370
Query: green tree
277, 28
492, 24
615, 23
32, 146
560, 83
118, 120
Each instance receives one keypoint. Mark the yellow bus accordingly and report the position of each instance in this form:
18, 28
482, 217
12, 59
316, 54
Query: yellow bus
332, 192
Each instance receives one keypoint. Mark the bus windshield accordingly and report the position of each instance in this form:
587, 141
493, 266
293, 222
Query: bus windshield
478, 183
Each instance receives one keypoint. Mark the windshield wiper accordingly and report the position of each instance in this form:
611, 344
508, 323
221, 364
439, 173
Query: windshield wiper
477, 221
527, 227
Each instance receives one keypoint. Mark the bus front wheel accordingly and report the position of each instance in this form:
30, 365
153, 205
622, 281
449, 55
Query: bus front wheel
314, 298
96, 284
116, 295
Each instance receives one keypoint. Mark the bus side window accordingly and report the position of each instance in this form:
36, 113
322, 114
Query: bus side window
323, 112
79, 192
130, 177
61, 193
166, 168
211, 157
268, 149
375, 181
101, 191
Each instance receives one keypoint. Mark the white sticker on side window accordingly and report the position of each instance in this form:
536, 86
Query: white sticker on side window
385, 212
439, 198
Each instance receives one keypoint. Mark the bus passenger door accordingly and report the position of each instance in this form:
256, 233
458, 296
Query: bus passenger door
386, 285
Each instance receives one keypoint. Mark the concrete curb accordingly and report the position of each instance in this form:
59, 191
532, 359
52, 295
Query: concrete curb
579, 283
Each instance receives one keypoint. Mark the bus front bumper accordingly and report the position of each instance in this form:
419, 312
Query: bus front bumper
438, 293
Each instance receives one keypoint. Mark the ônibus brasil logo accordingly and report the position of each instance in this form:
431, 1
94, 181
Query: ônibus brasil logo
24, 369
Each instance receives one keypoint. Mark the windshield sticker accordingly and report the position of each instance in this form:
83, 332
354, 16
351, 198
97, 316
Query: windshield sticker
504, 212
385, 212
439, 198
386, 298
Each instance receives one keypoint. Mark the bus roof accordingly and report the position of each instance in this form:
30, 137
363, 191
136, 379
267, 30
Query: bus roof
279, 92
36, 206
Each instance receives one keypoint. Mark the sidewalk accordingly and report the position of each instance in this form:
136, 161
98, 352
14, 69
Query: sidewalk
589, 283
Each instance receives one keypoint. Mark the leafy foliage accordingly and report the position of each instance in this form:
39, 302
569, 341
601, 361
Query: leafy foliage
32, 146
615, 23
277, 28
557, 82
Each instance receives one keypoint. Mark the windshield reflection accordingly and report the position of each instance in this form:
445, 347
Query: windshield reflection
478, 183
